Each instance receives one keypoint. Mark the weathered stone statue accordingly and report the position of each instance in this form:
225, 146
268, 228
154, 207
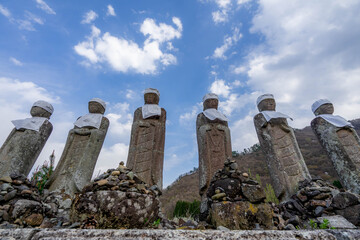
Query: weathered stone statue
83, 145
341, 142
20, 150
277, 139
214, 142
146, 150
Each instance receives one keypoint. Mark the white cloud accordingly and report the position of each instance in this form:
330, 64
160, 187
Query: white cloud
310, 54
43, 6
220, 88
89, 17
110, 11
15, 61
229, 41
161, 32
32, 17
189, 118
4, 11
110, 157
125, 55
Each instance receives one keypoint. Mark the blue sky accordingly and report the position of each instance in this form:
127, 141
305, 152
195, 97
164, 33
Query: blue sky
68, 52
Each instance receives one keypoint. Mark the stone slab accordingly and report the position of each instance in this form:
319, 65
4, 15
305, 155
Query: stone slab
82, 234
338, 222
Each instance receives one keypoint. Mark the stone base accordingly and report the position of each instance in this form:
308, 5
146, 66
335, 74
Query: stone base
116, 209
241, 215
87, 234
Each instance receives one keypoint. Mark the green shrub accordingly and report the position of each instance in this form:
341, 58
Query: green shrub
42, 174
270, 194
186, 209
337, 184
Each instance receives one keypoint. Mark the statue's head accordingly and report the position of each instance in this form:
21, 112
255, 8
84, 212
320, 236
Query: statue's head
266, 102
96, 105
151, 96
210, 100
41, 109
322, 106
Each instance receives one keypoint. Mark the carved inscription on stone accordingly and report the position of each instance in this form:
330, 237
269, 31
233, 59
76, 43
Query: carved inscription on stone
350, 144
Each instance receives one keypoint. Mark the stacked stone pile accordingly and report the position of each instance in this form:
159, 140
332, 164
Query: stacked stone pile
118, 199
235, 201
21, 204
316, 198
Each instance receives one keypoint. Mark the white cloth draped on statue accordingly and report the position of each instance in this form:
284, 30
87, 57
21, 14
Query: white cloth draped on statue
213, 114
33, 123
336, 120
268, 115
89, 120
149, 110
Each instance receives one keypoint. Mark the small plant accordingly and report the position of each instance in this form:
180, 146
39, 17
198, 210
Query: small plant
156, 223
186, 209
270, 194
258, 179
42, 174
324, 225
337, 184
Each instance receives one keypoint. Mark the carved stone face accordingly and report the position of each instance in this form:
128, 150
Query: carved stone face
39, 112
95, 107
211, 103
327, 108
151, 98
267, 105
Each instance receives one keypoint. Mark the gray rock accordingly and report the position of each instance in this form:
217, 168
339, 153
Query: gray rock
344, 199
10, 195
352, 214
338, 222
222, 228
23, 205
289, 227
6, 187
66, 204
255, 193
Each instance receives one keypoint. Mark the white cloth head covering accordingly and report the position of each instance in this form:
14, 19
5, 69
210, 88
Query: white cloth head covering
98, 100
263, 97
152, 90
268, 115
212, 114
33, 123
149, 110
318, 103
44, 105
89, 120
210, 96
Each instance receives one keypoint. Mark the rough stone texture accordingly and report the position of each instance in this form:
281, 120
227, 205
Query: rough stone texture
78, 160
146, 150
284, 159
338, 222
343, 148
317, 198
85, 234
214, 144
22, 147
121, 201
235, 201
241, 215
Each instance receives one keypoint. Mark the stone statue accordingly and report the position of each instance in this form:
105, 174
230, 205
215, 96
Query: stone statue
277, 139
146, 150
340, 141
20, 150
214, 142
81, 151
